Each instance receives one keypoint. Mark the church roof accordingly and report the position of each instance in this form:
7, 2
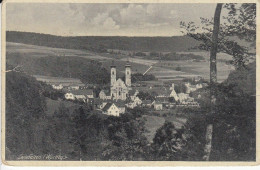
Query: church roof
120, 82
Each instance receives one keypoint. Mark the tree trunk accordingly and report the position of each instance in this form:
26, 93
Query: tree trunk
213, 81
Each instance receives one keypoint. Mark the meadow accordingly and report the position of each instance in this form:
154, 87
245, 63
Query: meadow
163, 70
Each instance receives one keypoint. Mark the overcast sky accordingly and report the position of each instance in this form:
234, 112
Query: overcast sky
104, 19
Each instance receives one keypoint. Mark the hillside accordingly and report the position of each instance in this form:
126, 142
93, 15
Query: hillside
88, 71
99, 43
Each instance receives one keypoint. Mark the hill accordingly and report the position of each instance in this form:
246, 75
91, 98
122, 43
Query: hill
88, 71
101, 43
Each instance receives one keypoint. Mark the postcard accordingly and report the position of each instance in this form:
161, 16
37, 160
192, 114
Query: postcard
130, 83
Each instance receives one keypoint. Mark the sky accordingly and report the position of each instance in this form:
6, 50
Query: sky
74, 19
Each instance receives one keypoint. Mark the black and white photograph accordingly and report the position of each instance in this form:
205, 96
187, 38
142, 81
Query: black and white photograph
129, 82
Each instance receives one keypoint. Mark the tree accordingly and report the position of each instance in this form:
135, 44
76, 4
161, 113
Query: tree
213, 81
238, 26
241, 23
168, 143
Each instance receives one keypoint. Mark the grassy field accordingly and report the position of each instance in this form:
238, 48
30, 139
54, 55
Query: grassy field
164, 70
153, 123
41, 51
206, 54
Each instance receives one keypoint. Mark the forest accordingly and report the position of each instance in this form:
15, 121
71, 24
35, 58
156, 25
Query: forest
102, 43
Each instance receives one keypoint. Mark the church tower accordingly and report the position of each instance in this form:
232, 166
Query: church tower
113, 74
128, 74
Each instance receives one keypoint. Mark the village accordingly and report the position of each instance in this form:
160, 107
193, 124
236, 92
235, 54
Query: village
124, 94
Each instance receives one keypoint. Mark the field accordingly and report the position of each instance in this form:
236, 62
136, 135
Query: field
166, 70
49, 79
163, 70
41, 51
153, 123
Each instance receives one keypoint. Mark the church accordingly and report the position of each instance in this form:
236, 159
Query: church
118, 88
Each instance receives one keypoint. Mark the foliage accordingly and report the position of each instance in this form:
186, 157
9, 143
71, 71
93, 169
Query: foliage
102, 43
180, 87
81, 135
127, 139
234, 135
177, 57
51, 93
140, 77
168, 143
25, 106
240, 22
146, 96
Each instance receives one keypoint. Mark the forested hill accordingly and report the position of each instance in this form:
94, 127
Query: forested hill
98, 43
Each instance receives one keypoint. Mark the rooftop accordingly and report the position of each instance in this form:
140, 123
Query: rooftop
80, 92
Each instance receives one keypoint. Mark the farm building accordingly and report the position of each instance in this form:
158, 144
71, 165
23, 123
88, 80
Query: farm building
113, 109
79, 94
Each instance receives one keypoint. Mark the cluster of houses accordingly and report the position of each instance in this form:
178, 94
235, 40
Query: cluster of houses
123, 95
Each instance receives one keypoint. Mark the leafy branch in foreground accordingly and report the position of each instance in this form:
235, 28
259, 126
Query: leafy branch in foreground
239, 23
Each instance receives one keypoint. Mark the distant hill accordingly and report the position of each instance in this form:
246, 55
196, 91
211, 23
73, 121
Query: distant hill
99, 43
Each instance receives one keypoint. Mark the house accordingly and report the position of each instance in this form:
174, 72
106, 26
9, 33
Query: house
134, 103
158, 105
190, 88
69, 96
89, 93
183, 97
57, 86
147, 103
111, 109
197, 79
121, 105
164, 101
199, 86
73, 87
131, 105
173, 93
104, 95
84, 94
137, 100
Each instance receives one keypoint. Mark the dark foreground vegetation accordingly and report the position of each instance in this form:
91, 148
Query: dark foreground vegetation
86, 135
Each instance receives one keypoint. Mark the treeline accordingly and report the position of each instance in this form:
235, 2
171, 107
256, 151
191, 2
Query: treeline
102, 43
88, 71
137, 77
169, 56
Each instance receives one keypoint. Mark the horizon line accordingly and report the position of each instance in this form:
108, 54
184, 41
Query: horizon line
96, 35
